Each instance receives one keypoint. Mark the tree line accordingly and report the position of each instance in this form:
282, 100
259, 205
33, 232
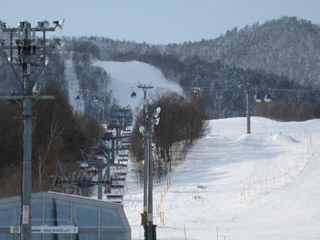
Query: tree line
281, 111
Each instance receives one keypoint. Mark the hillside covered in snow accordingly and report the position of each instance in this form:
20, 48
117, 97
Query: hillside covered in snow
233, 185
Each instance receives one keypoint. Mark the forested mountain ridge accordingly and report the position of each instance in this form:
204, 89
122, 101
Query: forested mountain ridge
280, 57
288, 46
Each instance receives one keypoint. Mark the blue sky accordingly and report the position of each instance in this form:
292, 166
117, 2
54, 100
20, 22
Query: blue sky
155, 21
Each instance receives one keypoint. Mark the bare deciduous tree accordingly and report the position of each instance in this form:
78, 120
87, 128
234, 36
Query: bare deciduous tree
57, 134
181, 122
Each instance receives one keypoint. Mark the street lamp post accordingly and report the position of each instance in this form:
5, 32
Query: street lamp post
30, 52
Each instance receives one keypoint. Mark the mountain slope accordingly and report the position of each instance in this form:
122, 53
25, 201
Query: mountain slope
239, 186
126, 76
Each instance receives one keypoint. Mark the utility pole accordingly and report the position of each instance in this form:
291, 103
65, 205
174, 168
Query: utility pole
28, 47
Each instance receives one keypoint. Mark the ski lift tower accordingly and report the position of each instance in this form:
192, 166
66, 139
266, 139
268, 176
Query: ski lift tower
257, 98
28, 51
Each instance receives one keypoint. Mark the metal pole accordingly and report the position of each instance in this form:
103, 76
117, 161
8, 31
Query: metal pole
104, 101
150, 186
219, 108
85, 93
83, 189
85, 103
99, 185
219, 98
117, 138
217, 232
145, 175
113, 150
146, 160
26, 173
27, 141
248, 114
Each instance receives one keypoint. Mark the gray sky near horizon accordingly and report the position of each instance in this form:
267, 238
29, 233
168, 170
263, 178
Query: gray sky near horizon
155, 21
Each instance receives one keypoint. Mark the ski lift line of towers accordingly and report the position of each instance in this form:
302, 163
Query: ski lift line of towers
81, 176
77, 178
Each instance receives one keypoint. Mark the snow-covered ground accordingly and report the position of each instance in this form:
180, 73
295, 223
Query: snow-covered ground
73, 82
233, 185
125, 79
126, 76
